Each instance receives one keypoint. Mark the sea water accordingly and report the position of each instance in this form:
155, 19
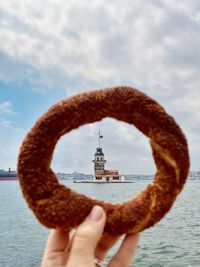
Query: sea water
173, 242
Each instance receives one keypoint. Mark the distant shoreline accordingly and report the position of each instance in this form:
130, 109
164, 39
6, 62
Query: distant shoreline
6, 175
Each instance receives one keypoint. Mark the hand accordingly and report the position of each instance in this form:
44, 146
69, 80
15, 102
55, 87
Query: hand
87, 244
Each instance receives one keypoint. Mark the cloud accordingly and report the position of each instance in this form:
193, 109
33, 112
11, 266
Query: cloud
77, 48
6, 108
142, 44
5, 123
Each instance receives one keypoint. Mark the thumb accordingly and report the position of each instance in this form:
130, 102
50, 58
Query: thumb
86, 238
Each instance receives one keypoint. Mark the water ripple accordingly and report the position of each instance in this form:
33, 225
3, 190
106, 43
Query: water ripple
174, 242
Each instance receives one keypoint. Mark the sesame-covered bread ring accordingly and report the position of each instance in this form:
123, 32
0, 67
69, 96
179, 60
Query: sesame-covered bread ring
57, 206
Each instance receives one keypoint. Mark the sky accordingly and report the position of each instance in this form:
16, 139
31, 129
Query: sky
50, 50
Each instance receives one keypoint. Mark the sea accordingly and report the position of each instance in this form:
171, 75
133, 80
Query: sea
173, 242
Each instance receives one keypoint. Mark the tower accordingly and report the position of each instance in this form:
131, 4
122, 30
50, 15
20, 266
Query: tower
99, 161
100, 174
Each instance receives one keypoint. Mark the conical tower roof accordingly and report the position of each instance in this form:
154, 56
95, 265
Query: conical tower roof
99, 152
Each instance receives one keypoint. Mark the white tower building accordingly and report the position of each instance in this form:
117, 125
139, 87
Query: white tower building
99, 161
100, 174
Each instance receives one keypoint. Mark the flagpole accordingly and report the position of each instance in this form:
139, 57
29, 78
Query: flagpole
99, 138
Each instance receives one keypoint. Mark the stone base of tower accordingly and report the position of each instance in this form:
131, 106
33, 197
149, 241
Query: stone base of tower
108, 176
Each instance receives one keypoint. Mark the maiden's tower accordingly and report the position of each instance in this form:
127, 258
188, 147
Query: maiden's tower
100, 173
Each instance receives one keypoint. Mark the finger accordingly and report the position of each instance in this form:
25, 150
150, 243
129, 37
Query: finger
55, 254
57, 241
86, 238
105, 243
126, 251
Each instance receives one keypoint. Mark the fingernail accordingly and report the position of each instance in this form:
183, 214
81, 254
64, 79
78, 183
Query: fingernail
96, 213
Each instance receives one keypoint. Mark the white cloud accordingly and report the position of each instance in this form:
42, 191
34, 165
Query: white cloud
6, 108
71, 46
5, 123
190, 103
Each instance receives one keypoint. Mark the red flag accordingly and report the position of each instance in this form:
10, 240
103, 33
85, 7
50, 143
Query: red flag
100, 136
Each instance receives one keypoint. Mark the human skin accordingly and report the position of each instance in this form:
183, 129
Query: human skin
87, 244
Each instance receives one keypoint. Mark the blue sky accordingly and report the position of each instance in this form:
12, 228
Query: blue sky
51, 50
19, 109
26, 105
